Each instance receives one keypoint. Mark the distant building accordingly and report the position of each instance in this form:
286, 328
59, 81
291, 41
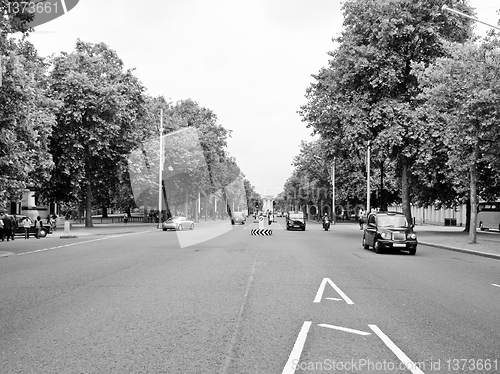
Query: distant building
30, 206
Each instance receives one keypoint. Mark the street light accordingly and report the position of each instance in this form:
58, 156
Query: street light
445, 7
160, 170
368, 178
334, 215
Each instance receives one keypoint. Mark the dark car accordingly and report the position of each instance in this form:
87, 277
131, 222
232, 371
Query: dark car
46, 228
389, 230
295, 220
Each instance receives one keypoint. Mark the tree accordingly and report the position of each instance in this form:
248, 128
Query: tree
462, 92
96, 125
195, 161
26, 121
368, 91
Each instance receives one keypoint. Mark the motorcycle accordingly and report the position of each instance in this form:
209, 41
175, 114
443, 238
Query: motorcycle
326, 224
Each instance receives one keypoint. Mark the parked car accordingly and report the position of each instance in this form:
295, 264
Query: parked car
295, 220
389, 230
239, 217
46, 227
177, 223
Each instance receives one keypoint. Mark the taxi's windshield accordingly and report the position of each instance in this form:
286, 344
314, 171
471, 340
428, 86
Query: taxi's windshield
392, 221
296, 215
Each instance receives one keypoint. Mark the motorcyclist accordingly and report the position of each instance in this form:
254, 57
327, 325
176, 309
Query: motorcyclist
326, 220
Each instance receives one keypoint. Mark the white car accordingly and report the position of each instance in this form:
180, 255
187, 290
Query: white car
239, 217
177, 223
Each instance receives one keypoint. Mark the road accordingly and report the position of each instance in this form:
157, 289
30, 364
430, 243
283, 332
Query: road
135, 301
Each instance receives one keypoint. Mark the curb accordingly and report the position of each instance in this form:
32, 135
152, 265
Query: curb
468, 251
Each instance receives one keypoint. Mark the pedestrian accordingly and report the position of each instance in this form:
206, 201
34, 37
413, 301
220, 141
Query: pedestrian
125, 218
361, 218
38, 227
270, 218
7, 227
2, 231
26, 222
15, 225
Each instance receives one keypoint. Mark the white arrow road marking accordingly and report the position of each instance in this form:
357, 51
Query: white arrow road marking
410, 365
321, 289
496, 285
291, 364
333, 298
344, 329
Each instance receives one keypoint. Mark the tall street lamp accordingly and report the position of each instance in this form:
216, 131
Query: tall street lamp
160, 171
368, 178
334, 215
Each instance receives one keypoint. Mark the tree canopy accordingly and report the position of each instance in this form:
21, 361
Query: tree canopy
366, 96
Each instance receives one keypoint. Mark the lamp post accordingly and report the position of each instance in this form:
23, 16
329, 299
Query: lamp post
368, 178
447, 8
333, 191
160, 171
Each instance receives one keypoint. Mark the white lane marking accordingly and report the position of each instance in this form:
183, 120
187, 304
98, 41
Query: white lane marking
410, 365
496, 285
333, 298
291, 364
321, 289
346, 329
84, 242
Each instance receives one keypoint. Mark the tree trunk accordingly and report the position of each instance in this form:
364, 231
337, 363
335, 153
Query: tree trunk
473, 194
104, 211
88, 203
206, 207
406, 191
467, 215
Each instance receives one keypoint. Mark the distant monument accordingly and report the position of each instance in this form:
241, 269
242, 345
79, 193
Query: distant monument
267, 203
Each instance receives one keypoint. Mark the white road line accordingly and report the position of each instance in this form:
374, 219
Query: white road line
410, 365
344, 329
321, 289
84, 242
496, 285
291, 364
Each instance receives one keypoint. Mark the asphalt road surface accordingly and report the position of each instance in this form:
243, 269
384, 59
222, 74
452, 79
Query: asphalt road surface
135, 301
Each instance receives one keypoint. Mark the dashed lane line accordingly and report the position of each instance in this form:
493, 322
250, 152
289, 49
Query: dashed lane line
84, 242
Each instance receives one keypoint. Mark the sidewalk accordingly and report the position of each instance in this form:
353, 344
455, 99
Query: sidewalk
110, 228
455, 239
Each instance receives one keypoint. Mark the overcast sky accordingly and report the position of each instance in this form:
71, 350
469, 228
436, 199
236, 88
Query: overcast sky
249, 61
